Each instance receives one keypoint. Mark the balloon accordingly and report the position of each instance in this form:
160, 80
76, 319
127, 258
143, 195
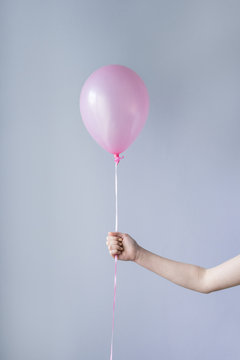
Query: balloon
114, 106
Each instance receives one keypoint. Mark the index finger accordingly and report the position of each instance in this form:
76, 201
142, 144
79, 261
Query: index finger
115, 233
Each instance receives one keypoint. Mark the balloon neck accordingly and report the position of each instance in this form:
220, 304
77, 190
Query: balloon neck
117, 158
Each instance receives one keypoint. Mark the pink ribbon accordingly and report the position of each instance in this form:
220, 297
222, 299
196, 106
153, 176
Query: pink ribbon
114, 301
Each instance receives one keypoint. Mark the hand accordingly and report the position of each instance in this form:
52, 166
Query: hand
122, 245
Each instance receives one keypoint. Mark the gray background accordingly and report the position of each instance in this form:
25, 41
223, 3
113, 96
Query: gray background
179, 192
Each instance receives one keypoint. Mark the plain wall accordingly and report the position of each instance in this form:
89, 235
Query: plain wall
179, 183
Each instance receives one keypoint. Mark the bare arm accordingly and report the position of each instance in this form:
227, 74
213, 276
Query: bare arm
189, 276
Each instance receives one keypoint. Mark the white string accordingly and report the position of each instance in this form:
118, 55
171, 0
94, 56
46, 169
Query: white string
116, 197
116, 257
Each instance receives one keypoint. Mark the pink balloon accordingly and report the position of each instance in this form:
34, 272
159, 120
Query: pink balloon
114, 105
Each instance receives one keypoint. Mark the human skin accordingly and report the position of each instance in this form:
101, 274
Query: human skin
192, 277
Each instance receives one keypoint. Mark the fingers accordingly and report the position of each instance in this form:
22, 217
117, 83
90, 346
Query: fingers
115, 243
115, 247
113, 253
114, 238
115, 233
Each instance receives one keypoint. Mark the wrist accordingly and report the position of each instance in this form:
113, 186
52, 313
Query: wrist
139, 252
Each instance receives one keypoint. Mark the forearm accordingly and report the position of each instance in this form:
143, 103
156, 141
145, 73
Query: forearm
186, 275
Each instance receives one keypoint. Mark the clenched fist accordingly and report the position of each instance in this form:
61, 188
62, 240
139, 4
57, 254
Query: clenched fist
122, 245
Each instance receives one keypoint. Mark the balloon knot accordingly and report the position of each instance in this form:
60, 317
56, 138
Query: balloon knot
117, 158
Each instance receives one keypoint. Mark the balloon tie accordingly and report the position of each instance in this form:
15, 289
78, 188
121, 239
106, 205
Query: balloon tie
117, 158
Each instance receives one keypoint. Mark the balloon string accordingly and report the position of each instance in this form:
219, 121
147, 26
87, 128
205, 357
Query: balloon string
117, 159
